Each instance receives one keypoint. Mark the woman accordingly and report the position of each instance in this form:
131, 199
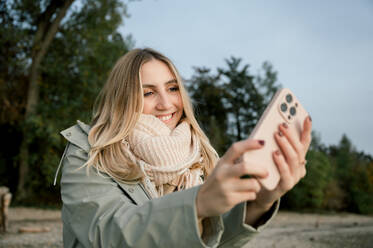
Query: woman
134, 178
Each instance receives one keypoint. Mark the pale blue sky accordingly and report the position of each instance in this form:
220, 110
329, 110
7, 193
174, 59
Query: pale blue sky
322, 50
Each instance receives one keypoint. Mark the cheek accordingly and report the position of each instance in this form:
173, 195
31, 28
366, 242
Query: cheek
179, 102
147, 107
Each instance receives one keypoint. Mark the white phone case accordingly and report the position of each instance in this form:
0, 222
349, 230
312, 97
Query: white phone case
284, 107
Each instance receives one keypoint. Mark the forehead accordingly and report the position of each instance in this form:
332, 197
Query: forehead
155, 72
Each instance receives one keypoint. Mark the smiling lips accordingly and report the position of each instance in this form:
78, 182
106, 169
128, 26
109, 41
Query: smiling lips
165, 118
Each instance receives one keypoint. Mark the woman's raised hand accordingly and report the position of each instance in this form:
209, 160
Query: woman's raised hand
224, 189
290, 161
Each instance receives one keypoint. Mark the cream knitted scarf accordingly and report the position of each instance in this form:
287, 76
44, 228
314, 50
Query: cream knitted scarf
169, 159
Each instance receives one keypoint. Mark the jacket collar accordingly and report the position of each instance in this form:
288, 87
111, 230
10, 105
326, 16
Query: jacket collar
78, 135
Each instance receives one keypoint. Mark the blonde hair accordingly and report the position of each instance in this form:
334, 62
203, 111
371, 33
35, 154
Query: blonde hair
117, 109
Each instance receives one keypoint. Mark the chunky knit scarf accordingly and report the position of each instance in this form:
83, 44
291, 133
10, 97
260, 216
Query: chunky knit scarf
169, 159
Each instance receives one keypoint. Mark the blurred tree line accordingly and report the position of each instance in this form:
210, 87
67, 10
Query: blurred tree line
55, 57
231, 101
52, 69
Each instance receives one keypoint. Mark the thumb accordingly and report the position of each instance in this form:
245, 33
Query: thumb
238, 148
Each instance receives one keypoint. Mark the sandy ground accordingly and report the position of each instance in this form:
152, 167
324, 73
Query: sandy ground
315, 230
286, 230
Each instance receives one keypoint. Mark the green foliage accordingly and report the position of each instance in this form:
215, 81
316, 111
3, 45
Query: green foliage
208, 97
228, 105
72, 73
309, 193
361, 190
352, 173
341, 180
230, 102
338, 179
245, 95
13, 61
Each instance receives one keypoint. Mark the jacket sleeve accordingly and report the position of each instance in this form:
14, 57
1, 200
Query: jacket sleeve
237, 233
98, 213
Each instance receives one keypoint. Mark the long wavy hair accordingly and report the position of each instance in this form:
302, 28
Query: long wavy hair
117, 109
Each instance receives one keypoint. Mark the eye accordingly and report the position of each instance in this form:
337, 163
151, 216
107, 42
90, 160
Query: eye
173, 89
148, 93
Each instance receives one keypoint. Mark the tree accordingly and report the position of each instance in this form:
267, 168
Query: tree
47, 23
63, 81
208, 97
41, 24
229, 103
310, 192
351, 185
246, 96
353, 174
241, 95
267, 83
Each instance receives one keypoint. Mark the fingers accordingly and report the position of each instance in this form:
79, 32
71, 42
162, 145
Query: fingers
247, 196
291, 134
290, 175
246, 185
286, 180
244, 168
242, 196
306, 133
291, 156
240, 147
299, 145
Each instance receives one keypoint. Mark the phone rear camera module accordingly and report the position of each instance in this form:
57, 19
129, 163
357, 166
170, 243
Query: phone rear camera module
293, 111
284, 107
289, 98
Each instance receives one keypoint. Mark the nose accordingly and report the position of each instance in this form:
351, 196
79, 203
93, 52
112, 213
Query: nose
164, 101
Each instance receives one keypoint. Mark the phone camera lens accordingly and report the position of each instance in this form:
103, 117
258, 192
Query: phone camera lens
293, 111
289, 98
284, 107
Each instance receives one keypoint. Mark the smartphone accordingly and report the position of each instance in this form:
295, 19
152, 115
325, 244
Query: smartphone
284, 107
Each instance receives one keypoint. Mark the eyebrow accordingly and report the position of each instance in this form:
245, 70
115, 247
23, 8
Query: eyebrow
172, 81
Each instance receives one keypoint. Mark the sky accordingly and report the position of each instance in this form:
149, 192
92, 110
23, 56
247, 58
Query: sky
322, 50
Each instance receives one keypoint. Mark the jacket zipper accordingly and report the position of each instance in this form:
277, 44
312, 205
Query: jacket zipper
146, 192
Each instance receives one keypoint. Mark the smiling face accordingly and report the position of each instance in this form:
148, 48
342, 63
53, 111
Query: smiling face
162, 97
